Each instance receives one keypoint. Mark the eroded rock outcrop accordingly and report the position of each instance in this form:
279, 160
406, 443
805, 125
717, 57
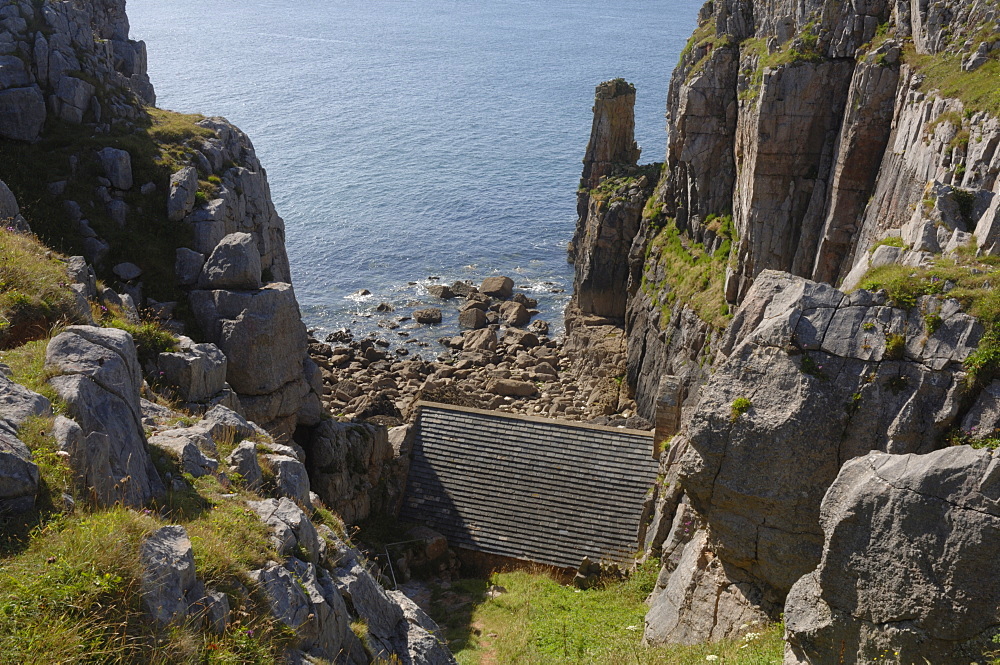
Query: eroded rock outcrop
96, 372
265, 342
809, 378
50, 53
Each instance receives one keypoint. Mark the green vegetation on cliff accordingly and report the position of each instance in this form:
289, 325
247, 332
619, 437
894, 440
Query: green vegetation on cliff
681, 271
34, 295
977, 89
968, 279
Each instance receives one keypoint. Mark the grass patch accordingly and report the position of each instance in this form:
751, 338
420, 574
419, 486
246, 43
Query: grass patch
701, 44
688, 274
977, 90
890, 241
27, 364
756, 57
74, 596
615, 188
540, 622
149, 336
34, 294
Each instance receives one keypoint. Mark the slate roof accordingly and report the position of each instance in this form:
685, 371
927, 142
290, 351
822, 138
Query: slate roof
533, 489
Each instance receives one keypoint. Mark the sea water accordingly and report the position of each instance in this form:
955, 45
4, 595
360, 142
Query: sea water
408, 140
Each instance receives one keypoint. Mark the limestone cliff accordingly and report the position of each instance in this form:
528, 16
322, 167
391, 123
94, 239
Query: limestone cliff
148, 197
812, 145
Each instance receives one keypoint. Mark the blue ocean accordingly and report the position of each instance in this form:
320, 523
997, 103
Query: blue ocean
407, 140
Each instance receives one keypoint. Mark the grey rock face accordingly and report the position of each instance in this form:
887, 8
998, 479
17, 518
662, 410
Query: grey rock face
908, 561
828, 377
22, 113
351, 470
233, 264
983, 419
117, 167
224, 423
168, 575
265, 341
183, 445
243, 460
292, 532
395, 624
183, 187
18, 475
90, 459
97, 373
601, 244
290, 477
612, 136
196, 371
422, 644
305, 599
188, 265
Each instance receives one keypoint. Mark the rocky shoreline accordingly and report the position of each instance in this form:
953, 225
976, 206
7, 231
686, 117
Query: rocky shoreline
499, 359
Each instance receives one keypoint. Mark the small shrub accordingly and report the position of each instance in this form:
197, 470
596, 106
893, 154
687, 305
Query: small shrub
812, 368
895, 345
932, 322
739, 406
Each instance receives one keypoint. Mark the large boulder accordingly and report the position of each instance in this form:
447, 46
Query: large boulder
809, 377
96, 371
197, 372
483, 339
265, 342
909, 563
117, 167
514, 314
183, 187
168, 576
498, 287
233, 264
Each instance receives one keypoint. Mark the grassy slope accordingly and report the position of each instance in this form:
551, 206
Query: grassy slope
158, 149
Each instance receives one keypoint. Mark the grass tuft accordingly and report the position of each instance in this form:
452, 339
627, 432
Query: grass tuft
34, 294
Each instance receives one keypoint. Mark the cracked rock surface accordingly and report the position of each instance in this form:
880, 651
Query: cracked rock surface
909, 562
